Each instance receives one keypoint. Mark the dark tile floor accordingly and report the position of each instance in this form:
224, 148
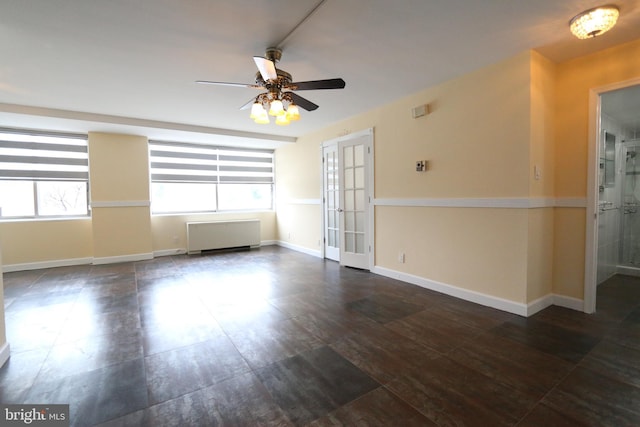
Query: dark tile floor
275, 337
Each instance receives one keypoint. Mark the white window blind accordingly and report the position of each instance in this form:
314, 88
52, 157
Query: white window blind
43, 174
184, 162
42, 156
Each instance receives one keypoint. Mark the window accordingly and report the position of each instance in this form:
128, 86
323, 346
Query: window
202, 178
43, 174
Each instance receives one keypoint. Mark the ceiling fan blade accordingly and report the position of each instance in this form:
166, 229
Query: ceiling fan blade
318, 84
266, 67
302, 102
207, 82
248, 104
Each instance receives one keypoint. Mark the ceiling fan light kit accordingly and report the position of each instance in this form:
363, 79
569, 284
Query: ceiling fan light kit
594, 22
279, 101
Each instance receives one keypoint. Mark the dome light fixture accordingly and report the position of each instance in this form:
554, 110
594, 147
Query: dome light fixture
594, 22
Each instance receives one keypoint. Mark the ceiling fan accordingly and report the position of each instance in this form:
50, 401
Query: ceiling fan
279, 88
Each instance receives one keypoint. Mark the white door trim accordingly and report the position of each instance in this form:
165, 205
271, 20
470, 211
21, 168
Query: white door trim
591, 234
370, 188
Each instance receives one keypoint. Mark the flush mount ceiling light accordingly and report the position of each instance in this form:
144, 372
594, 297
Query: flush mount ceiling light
594, 22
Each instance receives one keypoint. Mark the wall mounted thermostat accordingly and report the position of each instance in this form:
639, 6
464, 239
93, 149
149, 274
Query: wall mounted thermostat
421, 165
420, 111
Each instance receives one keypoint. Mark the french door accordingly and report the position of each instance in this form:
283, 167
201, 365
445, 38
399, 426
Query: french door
347, 197
331, 202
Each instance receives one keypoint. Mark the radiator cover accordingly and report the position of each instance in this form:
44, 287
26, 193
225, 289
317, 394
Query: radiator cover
208, 235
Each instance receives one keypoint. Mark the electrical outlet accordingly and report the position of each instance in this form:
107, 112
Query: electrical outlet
401, 257
421, 165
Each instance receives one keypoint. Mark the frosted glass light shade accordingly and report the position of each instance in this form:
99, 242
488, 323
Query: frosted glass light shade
263, 119
594, 22
257, 110
282, 120
293, 113
276, 108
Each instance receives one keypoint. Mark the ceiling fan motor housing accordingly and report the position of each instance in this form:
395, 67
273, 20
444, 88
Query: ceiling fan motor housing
284, 79
273, 54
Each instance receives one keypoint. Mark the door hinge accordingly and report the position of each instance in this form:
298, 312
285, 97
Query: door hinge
369, 150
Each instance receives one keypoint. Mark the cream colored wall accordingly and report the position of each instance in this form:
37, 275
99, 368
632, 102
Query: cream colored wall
568, 252
169, 232
300, 225
121, 231
298, 193
476, 137
49, 240
477, 141
542, 158
575, 79
542, 147
540, 253
119, 172
119, 167
480, 250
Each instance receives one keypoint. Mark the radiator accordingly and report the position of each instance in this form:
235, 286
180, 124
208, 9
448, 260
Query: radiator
203, 236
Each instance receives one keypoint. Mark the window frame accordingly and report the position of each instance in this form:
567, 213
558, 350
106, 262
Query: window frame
32, 140
222, 174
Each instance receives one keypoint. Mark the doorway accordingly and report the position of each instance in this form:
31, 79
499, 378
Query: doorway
347, 164
614, 235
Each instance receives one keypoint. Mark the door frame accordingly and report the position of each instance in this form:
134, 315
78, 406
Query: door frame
591, 219
370, 189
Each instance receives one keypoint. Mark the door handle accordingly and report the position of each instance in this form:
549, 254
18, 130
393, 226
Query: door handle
339, 210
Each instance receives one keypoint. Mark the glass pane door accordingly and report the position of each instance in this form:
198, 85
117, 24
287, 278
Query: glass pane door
354, 226
331, 196
354, 199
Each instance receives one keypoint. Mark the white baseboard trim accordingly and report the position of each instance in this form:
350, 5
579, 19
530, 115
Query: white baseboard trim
169, 252
629, 271
5, 352
568, 302
454, 291
539, 304
123, 258
9, 268
520, 309
298, 248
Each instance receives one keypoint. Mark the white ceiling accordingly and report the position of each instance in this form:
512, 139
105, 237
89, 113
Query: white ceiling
130, 65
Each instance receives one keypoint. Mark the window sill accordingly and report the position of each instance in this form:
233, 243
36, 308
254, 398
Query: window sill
233, 212
42, 219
